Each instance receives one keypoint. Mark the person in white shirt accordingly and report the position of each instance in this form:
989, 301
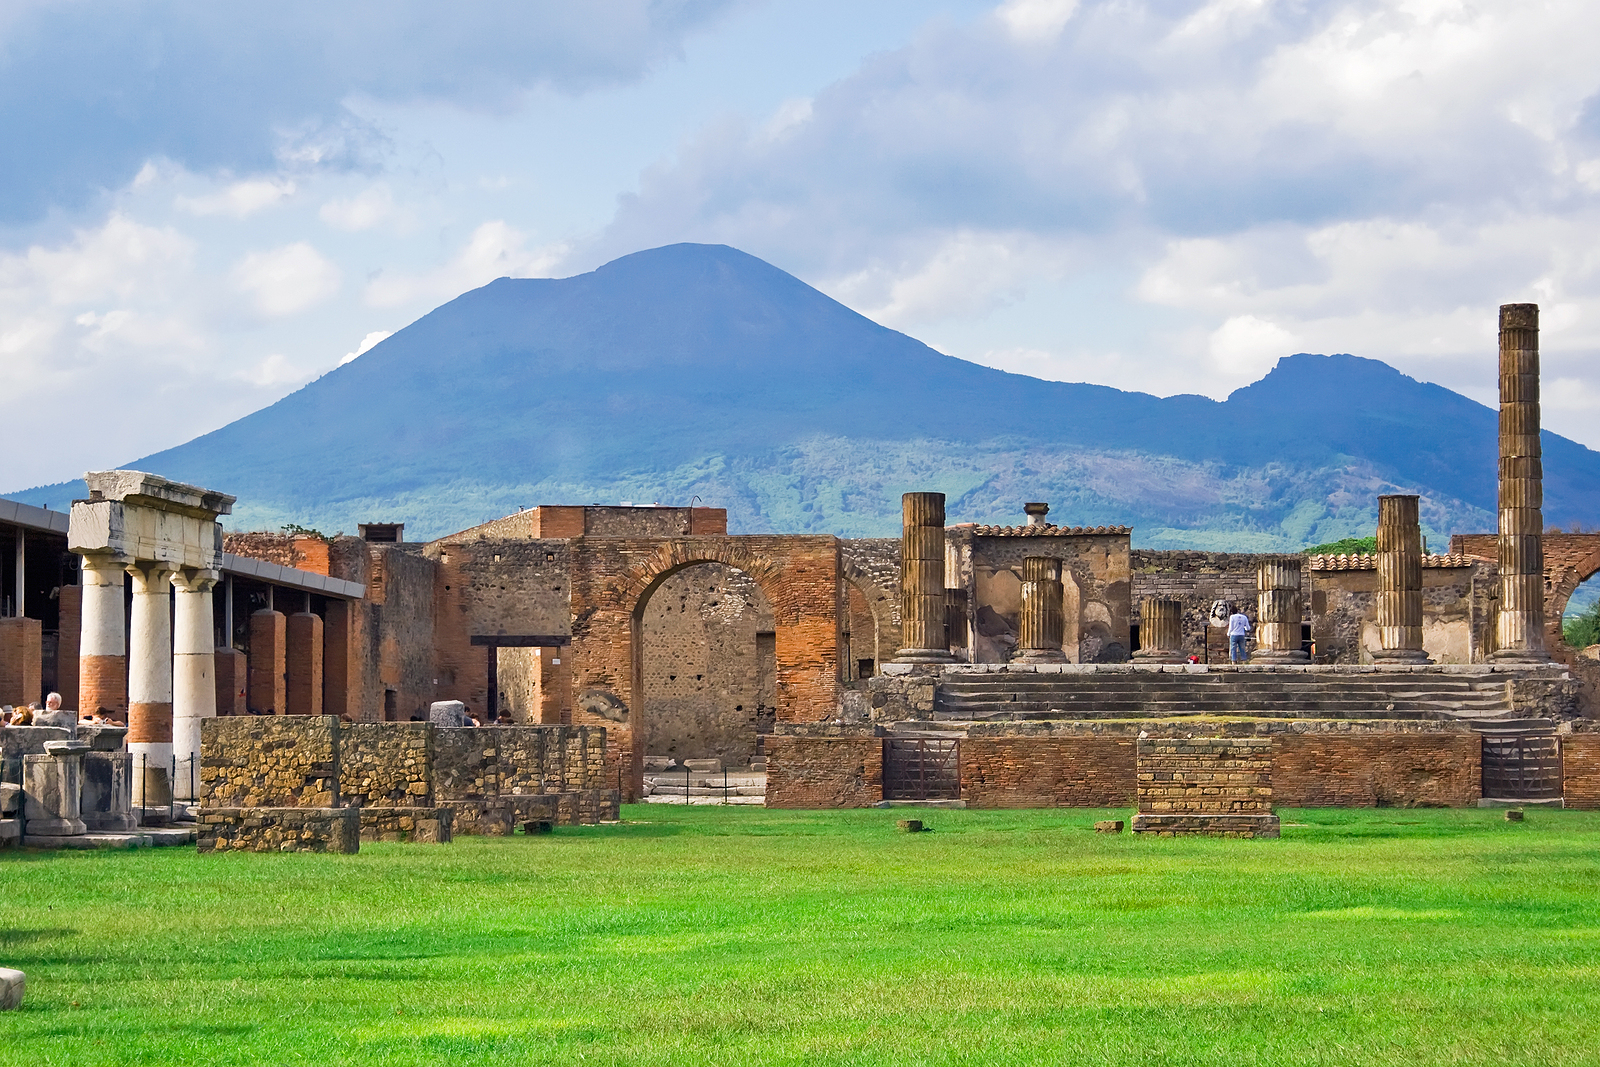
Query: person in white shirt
1238, 635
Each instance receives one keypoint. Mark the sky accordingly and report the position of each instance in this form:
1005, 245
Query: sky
207, 206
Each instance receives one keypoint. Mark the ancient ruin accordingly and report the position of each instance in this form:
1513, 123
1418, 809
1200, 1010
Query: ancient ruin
985, 665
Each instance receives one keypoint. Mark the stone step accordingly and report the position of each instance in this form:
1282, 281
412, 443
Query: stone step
1223, 703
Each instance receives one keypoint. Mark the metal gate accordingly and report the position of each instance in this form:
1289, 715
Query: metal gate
1522, 763
921, 768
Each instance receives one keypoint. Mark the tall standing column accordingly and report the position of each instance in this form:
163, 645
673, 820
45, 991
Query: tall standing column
922, 599
1400, 578
1278, 611
1041, 619
1160, 631
150, 683
194, 664
1520, 628
103, 642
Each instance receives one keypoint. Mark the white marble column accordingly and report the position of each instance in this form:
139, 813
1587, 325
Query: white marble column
150, 683
102, 642
194, 683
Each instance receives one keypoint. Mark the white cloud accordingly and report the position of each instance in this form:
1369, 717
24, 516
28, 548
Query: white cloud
286, 280
495, 250
1031, 20
366, 344
240, 199
274, 370
368, 208
1245, 347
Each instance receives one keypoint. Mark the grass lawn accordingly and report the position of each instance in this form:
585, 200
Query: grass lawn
722, 936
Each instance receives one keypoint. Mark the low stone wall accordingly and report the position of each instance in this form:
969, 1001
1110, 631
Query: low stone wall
474, 762
1414, 769
844, 770
386, 764
1580, 768
430, 826
1046, 772
264, 829
270, 761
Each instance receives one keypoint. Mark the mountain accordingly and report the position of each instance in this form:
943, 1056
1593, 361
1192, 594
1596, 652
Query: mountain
698, 370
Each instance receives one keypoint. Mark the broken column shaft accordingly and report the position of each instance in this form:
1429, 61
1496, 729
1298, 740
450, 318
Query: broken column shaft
922, 596
1160, 631
1041, 624
1520, 627
1400, 578
1278, 611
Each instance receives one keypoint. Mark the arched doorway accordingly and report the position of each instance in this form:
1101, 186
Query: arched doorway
707, 665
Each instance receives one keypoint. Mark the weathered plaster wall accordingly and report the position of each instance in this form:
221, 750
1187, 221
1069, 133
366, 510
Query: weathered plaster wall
1344, 609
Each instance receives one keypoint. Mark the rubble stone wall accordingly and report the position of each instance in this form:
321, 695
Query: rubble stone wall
386, 765
270, 761
268, 829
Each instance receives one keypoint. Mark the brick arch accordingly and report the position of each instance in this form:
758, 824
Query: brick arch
884, 603
1559, 587
612, 579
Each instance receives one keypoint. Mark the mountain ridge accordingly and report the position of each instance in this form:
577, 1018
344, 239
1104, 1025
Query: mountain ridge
698, 370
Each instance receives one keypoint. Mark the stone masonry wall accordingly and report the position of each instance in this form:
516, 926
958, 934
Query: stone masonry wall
269, 829
1199, 580
273, 761
386, 765
472, 763
843, 771
1205, 776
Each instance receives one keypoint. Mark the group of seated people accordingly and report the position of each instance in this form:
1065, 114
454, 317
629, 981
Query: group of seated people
25, 716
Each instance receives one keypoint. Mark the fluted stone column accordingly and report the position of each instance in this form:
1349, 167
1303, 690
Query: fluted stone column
1279, 611
102, 640
150, 683
922, 596
1160, 631
1041, 619
1400, 578
1520, 629
194, 664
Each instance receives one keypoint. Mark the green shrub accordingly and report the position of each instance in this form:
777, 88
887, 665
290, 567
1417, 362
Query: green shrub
1350, 546
1583, 630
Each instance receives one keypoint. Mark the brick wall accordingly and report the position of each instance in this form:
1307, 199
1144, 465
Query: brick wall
273, 761
1580, 770
798, 575
1402, 770
824, 772
1048, 772
21, 666
386, 765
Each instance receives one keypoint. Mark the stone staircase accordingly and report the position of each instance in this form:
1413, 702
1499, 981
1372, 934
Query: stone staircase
1279, 694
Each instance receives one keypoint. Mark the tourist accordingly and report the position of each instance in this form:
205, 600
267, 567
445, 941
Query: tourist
22, 717
1238, 636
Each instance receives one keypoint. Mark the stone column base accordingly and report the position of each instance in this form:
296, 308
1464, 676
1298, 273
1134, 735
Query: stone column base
1160, 655
1281, 657
1401, 656
924, 655
1191, 825
1518, 655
